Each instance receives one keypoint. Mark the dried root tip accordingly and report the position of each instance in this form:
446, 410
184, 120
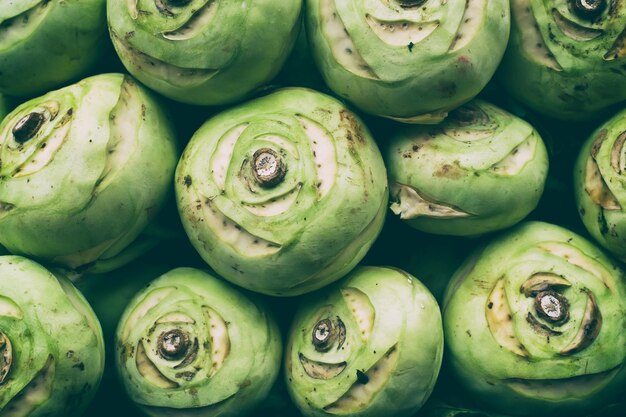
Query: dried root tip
268, 167
173, 344
552, 307
588, 9
28, 126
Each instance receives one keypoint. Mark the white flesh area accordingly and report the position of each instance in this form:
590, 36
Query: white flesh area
338, 38
224, 153
196, 25
410, 205
8, 308
122, 136
321, 370
218, 338
151, 300
500, 321
515, 161
360, 395
471, 23
175, 318
43, 156
556, 389
532, 41
584, 335
276, 206
575, 257
401, 32
149, 371
324, 154
362, 309
618, 156
596, 187
132, 8
234, 235
34, 394
541, 282
157, 69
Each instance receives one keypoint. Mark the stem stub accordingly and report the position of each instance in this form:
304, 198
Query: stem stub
268, 167
552, 306
588, 9
27, 127
173, 344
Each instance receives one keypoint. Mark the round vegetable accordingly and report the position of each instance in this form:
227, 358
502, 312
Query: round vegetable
45, 44
371, 345
534, 323
598, 185
83, 170
203, 51
566, 57
408, 60
284, 194
442, 178
51, 348
190, 344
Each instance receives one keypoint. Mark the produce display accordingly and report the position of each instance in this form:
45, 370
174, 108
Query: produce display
408, 208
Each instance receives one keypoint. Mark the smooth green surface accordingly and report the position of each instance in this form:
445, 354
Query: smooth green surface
527, 372
407, 62
598, 185
58, 349
306, 231
91, 178
225, 379
204, 52
405, 318
47, 44
566, 67
459, 164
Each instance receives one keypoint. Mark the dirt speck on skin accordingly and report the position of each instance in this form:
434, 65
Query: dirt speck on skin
453, 171
352, 125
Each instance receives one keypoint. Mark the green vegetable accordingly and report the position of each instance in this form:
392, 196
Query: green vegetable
408, 60
51, 348
534, 323
566, 57
442, 178
284, 194
204, 51
371, 345
45, 44
190, 344
598, 185
5, 106
84, 169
